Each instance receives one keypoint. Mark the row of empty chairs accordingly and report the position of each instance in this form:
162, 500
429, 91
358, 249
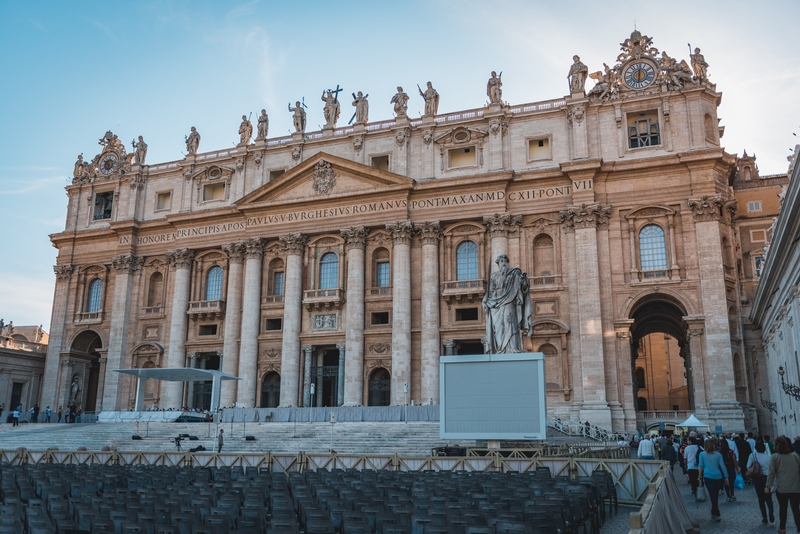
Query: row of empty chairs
66, 499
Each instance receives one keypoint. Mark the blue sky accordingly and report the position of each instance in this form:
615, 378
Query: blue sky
71, 71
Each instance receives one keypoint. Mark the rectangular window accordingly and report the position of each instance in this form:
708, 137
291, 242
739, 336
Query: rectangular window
214, 192
643, 129
380, 162
274, 175
163, 201
274, 324
462, 157
382, 274
208, 330
102, 205
467, 314
539, 149
758, 236
753, 205
380, 318
277, 283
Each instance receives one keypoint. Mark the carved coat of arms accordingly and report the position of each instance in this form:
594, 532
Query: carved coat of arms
324, 178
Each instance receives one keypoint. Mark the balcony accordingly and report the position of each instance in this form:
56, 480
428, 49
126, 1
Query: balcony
323, 299
461, 291
26, 346
151, 312
90, 317
539, 282
379, 293
206, 310
272, 301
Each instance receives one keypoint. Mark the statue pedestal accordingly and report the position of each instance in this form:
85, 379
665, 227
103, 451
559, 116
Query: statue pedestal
578, 95
428, 120
402, 121
298, 136
327, 131
359, 128
495, 108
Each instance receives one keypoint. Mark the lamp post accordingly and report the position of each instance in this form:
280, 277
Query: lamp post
789, 389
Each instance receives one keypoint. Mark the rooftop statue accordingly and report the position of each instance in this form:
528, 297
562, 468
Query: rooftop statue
245, 131
400, 101
431, 100
699, 66
299, 117
577, 75
508, 308
331, 109
192, 142
676, 74
494, 88
606, 84
263, 126
362, 108
139, 151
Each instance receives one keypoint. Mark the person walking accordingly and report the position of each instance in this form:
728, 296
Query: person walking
691, 457
712, 474
730, 464
647, 450
60, 413
15, 418
220, 441
784, 480
668, 453
761, 457
47, 414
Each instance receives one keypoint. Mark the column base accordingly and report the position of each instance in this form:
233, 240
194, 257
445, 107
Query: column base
617, 417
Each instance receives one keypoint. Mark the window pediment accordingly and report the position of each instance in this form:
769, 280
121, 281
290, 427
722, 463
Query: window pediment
648, 212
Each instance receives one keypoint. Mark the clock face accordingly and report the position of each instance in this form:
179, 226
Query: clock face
639, 75
108, 164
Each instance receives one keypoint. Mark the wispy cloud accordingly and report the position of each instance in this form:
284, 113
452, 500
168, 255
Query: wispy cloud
103, 28
16, 187
25, 299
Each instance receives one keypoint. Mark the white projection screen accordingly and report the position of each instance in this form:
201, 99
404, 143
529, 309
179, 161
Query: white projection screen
493, 396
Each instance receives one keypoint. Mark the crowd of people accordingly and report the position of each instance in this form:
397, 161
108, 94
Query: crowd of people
71, 415
716, 463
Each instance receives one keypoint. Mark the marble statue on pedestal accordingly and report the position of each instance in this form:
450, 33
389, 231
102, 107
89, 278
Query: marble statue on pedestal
192, 142
263, 126
331, 109
431, 100
699, 66
494, 88
400, 101
577, 75
508, 308
245, 131
362, 108
139, 151
298, 117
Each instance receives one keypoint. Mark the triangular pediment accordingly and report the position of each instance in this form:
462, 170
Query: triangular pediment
324, 177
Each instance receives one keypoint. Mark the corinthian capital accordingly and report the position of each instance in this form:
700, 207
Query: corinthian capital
354, 236
585, 216
254, 248
294, 243
63, 272
235, 252
402, 231
430, 232
180, 259
500, 223
706, 208
127, 263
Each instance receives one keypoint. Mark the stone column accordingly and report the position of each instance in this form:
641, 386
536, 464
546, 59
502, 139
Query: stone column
401, 309
251, 319
233, 322
319, 380
124, 265
307, 375
292, 319
430, 233
707, 211
67, 368
583, 221
340, 377
181, 263
58, 319
351, 384
624, 371
697, 365
449, 345
498, 225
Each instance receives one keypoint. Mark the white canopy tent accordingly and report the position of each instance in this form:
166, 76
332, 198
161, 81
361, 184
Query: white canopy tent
692, 422
178, 374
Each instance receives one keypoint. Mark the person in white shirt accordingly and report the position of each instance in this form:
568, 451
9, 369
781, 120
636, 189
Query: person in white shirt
759, 483
647, 450
690, 457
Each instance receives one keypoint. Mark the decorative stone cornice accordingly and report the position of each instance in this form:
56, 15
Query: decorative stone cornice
294, 243
402, 231
706, 208
181, 258
355, 237
254, 248
235, 252
63, 272
499, 224
430, 232
585, 216
127, 263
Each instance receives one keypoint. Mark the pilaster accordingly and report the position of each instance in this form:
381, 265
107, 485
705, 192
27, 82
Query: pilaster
181, 263
233, 322
351, 381
292, 319
401, 309
58, 318
251, 318
499, 226
430, 234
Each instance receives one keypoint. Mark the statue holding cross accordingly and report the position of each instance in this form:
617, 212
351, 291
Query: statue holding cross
332, 107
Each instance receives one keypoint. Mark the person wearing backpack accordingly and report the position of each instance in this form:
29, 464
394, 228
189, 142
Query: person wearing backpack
757, 471
730, 464
784, 480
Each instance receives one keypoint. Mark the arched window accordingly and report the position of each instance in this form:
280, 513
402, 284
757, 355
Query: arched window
329, 271
95, 296
270, 390
214, 283
641, 404
543, 260
380, 387
156, 290
640, 378
467, 261
653, 251
383, 274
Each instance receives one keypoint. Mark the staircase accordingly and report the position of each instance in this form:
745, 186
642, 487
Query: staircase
573, 429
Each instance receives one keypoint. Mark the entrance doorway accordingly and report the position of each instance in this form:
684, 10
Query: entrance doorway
271, 390
86, 371
325, 377
201, 398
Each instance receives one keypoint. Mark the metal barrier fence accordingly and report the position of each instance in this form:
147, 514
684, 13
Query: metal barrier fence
631, 477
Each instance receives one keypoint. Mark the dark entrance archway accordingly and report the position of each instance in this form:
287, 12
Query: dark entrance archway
83, 382
325, 376
660, 356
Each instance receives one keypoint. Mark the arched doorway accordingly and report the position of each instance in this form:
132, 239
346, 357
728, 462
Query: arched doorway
84, 372
380, 388
270, 390
660, 358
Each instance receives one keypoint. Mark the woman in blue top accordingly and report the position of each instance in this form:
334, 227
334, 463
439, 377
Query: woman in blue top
712, 473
